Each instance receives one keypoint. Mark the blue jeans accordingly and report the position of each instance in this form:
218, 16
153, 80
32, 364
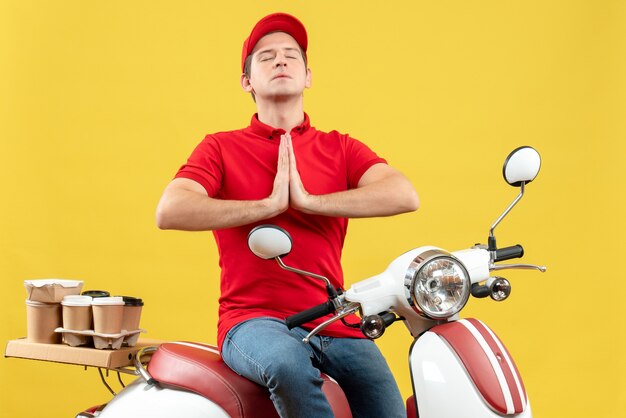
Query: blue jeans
266, 352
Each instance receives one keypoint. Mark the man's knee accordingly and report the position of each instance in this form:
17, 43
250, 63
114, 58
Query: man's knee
288, 360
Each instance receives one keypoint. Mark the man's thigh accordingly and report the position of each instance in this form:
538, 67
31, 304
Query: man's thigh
264, 347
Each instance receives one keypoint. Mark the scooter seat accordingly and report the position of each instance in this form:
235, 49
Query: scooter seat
199, 368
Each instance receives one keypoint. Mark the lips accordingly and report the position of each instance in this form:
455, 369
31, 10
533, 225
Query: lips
280, 76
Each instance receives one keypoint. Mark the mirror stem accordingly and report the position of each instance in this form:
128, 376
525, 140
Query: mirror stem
492, 238
332, 292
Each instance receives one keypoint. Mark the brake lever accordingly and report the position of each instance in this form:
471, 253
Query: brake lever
345, 311
518, 267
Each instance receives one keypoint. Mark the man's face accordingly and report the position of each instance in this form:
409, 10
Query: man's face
277, 70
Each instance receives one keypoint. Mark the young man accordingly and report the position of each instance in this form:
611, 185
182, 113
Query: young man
283, 171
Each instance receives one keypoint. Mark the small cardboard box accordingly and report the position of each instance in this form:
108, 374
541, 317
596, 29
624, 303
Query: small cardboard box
61, 353
51, 290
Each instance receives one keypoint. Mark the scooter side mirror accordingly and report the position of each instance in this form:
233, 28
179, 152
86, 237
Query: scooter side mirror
269, 241
521, 166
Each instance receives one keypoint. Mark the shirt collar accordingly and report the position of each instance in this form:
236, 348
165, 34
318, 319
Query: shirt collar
269, 132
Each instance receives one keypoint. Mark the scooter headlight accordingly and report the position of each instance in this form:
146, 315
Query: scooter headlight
438, 284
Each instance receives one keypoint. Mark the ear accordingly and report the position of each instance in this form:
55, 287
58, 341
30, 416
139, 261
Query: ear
245, 83
308, 82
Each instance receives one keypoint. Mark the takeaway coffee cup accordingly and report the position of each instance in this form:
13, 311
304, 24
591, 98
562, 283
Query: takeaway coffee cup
108, 314
41, 321
77, 313
132, 313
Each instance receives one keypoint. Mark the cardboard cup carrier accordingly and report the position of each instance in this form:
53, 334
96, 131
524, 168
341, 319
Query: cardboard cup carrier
108, 314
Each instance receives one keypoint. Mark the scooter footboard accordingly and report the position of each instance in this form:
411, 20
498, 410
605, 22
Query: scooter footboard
462, 369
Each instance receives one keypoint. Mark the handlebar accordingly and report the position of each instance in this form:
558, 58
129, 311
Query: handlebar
310, 314
507, 253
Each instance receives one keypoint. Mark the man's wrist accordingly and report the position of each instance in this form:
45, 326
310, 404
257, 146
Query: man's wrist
308, 203
270, 208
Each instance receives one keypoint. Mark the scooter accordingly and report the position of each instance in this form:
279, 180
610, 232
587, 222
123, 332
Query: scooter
459, 367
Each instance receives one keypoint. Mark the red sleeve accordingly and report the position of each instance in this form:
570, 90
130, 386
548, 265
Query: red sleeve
205, 166
359, 158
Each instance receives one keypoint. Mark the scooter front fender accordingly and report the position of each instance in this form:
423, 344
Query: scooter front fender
139, 399
459, 370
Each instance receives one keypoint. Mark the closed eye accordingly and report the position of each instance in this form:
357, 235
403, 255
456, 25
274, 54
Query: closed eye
266, 55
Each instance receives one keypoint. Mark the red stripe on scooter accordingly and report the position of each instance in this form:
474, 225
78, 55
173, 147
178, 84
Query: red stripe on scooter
475, 361
509, 372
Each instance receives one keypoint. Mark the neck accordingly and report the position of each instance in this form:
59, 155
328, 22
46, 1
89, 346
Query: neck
281, 114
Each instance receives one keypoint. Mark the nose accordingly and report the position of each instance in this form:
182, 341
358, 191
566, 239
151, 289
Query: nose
280, 60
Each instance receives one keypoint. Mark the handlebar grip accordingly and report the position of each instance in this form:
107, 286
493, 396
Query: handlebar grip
507, 253
310, 314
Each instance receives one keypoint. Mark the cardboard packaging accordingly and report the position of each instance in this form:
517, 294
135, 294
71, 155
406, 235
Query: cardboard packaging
60, 353
51, 290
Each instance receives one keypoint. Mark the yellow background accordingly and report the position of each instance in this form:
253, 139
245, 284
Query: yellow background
102, 101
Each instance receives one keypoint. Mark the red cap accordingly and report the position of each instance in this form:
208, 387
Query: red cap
276, 22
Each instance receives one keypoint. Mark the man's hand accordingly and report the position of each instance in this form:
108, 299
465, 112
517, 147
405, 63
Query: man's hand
299, 198
279, 198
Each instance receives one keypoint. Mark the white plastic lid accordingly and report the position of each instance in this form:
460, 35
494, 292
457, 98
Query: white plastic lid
49, 282
76, 300
112, 300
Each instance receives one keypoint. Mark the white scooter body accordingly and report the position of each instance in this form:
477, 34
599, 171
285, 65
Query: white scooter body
443, 387
139, 399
